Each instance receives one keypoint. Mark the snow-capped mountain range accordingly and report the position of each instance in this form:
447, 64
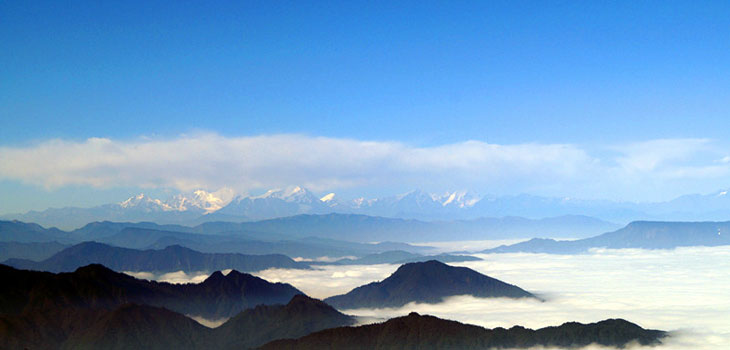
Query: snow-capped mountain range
201, 206
198, 201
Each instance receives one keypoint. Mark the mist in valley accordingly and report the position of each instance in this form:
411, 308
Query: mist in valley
684, 291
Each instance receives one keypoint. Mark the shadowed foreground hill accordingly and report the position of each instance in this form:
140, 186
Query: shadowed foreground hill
172, 258
133, 326
301, 316
427, 332
139, 327
97, 308
97, 287
146, 327
425, 282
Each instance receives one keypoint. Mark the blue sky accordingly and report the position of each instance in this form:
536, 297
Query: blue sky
603, 78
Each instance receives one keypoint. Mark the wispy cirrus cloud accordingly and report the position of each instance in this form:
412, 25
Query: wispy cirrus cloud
212, 161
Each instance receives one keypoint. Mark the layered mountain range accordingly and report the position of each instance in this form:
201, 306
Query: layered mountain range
95, 308
95, 286
342, 227
290, 237
35, 240
201, 206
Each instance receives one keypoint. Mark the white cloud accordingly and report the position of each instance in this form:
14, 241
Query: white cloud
212, 161
683, 290
653, 154
328, 280
178, 277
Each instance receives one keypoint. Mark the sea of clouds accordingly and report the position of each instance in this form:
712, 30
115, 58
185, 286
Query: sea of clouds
685, 291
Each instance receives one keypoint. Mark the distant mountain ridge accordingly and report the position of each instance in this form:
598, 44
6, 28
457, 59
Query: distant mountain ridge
639, 234
425, 282
35, 251
364, 228
170, 259
201, 206
308, 236
218, 239
398, 257
427, 332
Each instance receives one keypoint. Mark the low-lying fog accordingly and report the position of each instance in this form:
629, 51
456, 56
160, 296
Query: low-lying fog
686, 290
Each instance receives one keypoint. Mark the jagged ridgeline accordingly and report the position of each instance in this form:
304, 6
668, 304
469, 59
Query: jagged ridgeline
96, 308
95, 286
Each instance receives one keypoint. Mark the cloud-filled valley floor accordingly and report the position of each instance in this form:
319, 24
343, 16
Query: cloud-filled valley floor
684, 290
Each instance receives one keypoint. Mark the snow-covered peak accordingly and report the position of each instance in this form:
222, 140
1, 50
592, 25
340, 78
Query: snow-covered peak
328, 197
461, 199
290, 194
293, 191
146, 203
199, 200
202, 200
132, 201
270, 193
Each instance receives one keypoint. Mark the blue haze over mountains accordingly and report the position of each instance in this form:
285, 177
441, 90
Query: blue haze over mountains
197, 208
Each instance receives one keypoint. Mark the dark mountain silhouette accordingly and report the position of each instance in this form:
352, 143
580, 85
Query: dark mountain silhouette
134, 326
638, 234
95, 307
145, 327
425, 282
97, 287
301, 316
172, 258
427, 332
